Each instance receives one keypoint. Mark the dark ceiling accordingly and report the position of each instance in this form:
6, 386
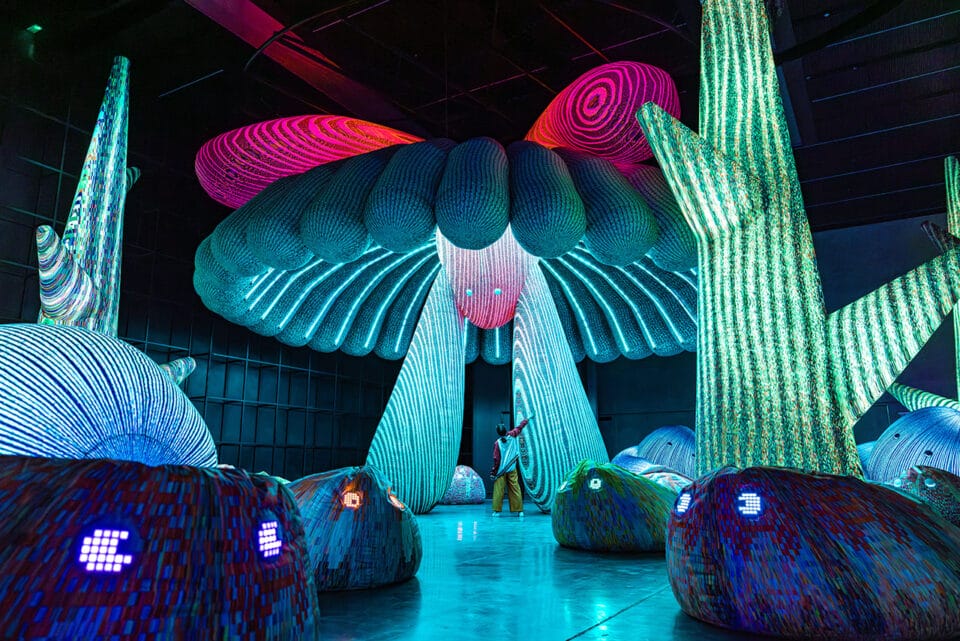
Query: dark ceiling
872, 88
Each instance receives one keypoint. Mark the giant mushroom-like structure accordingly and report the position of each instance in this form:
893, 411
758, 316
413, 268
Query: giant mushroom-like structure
543, 253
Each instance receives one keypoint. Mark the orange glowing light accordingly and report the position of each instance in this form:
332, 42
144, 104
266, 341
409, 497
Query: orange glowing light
352, 499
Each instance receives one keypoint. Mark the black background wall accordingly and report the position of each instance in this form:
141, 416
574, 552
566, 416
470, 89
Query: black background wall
293, 411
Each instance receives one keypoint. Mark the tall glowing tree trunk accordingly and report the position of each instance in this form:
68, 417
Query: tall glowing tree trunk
912, 398
547, 386
779, 382
418, 439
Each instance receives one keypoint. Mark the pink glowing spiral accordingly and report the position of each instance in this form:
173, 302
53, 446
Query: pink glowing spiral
597, 112
237, 165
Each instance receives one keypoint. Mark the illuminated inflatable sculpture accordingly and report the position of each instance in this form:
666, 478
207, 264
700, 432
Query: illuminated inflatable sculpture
778, 552
604, 508
359, 534
673, 447
68, 392
465, 488
103, 550
912, 398
68, 387
929, 436
937, 488
864, 451
442, 252
779, 381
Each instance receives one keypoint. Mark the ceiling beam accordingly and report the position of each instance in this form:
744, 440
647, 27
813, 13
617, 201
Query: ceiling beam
255, 26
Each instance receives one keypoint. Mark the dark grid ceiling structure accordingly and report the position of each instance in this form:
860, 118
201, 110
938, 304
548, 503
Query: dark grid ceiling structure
872, 88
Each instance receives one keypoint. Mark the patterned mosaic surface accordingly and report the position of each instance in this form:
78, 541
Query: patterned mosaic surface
937, 488
927, 436
360, 535
604, 508
810, 556
108, 550
69, 392
465, 488
779, 381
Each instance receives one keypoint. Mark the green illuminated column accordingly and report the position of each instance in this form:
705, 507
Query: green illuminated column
912, 398
779, 382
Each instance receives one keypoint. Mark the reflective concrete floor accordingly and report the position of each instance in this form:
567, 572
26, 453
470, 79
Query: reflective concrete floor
506, 578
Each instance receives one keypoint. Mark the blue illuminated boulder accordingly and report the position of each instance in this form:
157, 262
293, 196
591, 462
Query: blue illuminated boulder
360, 535
927, 436
775, 551
102, 550
672, 446
602, 507
466, 488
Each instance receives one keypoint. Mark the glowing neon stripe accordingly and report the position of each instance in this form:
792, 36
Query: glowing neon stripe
418, 439
235, 166
564, 430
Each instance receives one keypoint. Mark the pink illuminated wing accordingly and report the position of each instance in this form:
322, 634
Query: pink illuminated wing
236, 165
597, 112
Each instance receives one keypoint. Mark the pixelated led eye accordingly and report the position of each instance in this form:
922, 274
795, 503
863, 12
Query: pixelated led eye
683, 502
497, 291
594, 484
929, 482
469, 292
99, 551
351, 499
268, 539
749, 504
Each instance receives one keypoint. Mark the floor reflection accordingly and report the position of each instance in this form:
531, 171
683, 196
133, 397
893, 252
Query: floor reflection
506, 578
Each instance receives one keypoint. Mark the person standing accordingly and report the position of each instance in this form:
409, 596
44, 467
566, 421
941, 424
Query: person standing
505, 472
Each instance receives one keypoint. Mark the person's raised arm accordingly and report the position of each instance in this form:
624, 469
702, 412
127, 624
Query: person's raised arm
519, 428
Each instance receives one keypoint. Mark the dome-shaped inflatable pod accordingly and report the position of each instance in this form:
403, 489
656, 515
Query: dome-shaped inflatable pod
466, 487
360, 535
68, 392
672, 446
602, 507
928, 436
778, 552
102, 550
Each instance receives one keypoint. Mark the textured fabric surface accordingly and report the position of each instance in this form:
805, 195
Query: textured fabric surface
186, 543
473, 199
620, 225
928, 436
937, 488
605, 508
67, 392
807, 556
780, 381
359, 534
672, 446
466, 487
